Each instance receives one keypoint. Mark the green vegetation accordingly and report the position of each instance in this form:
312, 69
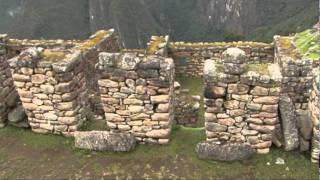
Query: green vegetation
24, 154
230, 37
308, 44
53, 56
95, 40
288, 47
259, 68
154, 46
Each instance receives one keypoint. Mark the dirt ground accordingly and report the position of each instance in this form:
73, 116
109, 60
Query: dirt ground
25, 155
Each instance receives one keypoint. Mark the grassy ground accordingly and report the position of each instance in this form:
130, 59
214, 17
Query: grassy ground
308, 43
24, 154
195, 86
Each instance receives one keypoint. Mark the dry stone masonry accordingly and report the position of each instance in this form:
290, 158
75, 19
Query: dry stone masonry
241, 101
255, 94
137, 94
297, 84
190, 57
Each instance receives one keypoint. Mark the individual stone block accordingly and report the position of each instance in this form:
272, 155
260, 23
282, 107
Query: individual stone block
105, 141
289, 123
224, 152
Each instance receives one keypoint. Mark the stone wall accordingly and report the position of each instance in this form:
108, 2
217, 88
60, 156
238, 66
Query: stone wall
101, 41
52, 87
314, 106
241, 101
190, 57
296, 84
16, 46
137, 93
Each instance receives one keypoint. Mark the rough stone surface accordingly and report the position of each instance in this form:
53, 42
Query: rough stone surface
224, 152
104, 141
289, 123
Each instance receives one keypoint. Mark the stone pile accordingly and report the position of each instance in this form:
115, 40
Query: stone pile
241, 104
314, 107
190, 57
52, 89
137, 94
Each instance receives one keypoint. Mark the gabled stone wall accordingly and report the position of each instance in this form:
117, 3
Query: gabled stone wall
297, 84
137, 93
190, 57
102, 41
241, 101
53, 91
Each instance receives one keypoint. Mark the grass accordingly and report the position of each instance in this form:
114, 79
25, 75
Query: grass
96, 39
154, 46
55, 157
308, 44
259, 68
219, 44
288, 47
53, 56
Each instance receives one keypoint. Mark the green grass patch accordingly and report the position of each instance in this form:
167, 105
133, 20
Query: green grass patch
175, 160
308, 44
259, 68
35, 140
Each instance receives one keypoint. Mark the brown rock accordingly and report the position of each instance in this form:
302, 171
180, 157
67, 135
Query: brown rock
238, 89
161, 133
38, 79
266, 100
259, 91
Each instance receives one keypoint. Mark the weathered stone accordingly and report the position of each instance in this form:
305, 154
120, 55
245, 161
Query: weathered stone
17, 115
108, 83
161, 133
160, 116
289, 123
266, 100
259, 91
160, 99
47, 89
224, 152
215, 127
238, 89
305, 126
232, 104
38, 79
105, 141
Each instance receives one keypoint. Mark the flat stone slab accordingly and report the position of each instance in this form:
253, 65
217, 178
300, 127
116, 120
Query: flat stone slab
289, 123
224, 152
105, 141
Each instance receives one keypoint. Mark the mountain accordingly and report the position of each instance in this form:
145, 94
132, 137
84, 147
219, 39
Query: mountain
137, 20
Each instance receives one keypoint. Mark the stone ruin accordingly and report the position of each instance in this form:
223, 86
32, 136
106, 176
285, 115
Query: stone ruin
241, 100
255, 94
